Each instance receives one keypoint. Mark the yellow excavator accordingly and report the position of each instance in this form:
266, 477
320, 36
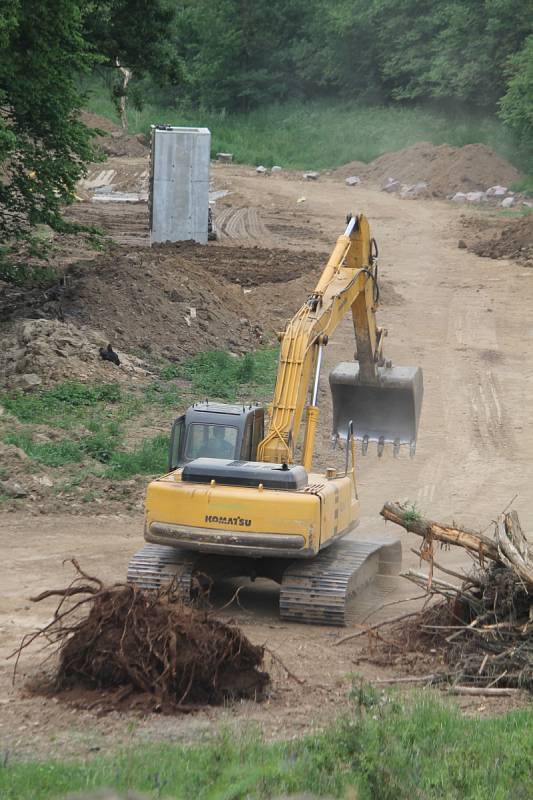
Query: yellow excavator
234, 502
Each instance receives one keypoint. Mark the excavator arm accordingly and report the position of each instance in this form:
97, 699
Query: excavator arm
348, 284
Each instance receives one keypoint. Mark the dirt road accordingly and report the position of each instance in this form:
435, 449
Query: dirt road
464, 319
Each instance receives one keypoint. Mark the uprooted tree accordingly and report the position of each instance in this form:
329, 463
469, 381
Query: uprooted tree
483, 624
145, 646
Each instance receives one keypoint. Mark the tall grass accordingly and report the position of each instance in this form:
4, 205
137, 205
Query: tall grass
382, 750
322, 134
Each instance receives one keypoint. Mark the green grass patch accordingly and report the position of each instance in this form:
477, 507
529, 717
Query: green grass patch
217, 374
382, 750
323, 134
61, 404
51, 454
150, 457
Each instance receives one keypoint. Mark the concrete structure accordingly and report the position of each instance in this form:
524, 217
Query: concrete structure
179, 184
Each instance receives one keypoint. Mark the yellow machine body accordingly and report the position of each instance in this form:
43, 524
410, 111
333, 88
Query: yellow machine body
250, 521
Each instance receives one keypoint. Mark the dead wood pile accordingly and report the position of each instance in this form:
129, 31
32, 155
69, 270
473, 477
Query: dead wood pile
483, 620
149, 643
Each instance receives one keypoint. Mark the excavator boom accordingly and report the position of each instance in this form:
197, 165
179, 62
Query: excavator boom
382, 401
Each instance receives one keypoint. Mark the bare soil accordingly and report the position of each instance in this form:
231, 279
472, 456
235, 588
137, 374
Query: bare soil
514, 240
464, 321
446, 169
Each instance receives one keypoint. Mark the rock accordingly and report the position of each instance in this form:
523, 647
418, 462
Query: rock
476, 197
496, 191
301, 200
391, 186
508, 202
353, 180
44, 480
461, 244
275, 168
261, 170
28, 381
459, 197
311, 176
192, 313
414, 190
225, 158
12, 489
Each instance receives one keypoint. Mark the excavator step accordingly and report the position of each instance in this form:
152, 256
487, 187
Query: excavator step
155, 566
320, 591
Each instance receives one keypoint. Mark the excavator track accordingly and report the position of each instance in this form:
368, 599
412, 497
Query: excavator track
155, 566
319, 591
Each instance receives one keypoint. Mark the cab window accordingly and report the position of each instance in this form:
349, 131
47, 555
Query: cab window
210, 441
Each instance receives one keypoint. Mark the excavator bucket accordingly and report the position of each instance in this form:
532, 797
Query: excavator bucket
385, 411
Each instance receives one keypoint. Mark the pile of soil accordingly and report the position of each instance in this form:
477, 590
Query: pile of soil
115, 141
445, 169
42, 352
514, 241
148, 645
178, 300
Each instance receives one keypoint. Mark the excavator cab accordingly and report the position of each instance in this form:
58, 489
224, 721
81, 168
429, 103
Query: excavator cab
216, 430
383, 410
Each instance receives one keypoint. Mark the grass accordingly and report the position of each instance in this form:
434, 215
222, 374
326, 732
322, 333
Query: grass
95, 415
383, 749
61, 404
323, 134
148, 458
217, 374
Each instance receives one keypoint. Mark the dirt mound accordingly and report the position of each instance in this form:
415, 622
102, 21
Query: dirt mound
177, 300
445, 169
42, 352
116, 142
514, 241
150, 644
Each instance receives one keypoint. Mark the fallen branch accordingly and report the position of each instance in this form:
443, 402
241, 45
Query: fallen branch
428, 529
374, 627
482, 691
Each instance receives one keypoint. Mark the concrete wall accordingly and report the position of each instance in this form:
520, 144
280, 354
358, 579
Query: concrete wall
179, 184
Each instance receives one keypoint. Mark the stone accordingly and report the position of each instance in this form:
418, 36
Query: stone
461, 244
28, 381
225, 158
459, 197
192, 313
353, 180
44, 480
301, 200
311, 176
276, 168
414, 190
261, 170
508, 202
496, 191
12, 489
476, 197
391, 186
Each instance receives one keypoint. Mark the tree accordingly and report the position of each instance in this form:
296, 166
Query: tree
43, 144
133, 37
516, 107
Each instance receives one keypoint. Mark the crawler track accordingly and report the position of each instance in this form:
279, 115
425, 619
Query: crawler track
319, 591
155, 566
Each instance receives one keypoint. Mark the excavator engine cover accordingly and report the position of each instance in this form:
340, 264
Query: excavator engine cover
385, 411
